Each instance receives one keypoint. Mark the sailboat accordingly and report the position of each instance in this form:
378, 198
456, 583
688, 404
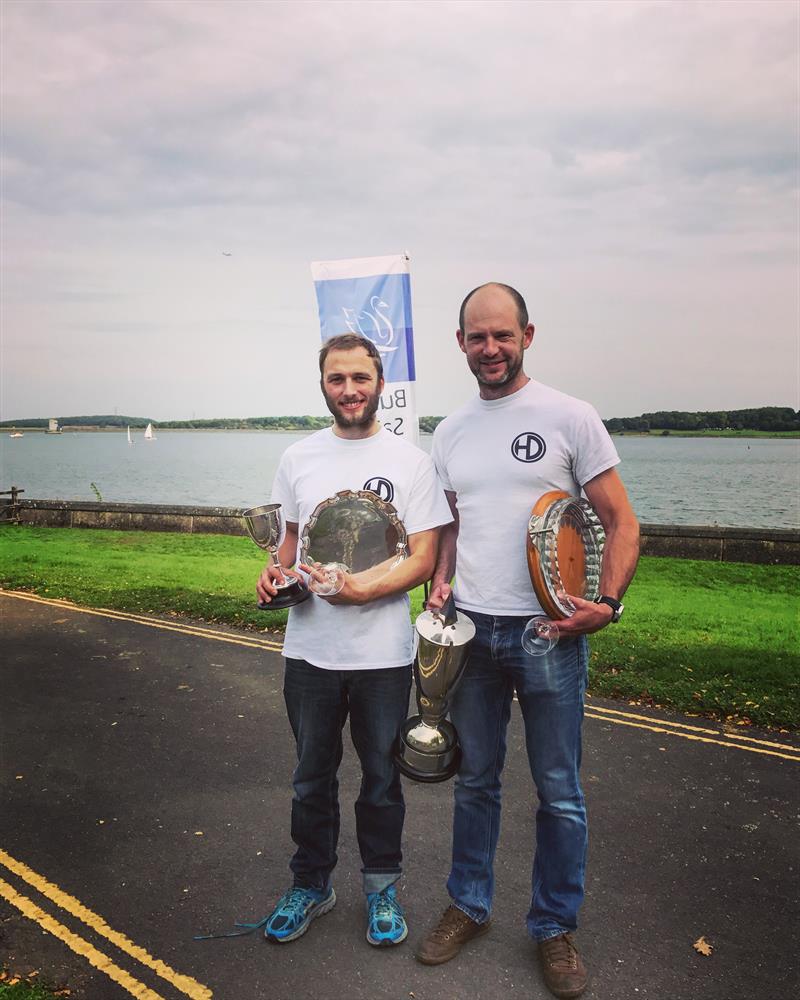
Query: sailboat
148, 433
130, 439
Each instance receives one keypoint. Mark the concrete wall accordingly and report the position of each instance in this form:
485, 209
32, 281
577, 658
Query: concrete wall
751, 545
748, 545
128, 516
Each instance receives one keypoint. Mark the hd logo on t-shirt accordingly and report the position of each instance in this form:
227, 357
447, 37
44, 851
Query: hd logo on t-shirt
382, 488
528, 447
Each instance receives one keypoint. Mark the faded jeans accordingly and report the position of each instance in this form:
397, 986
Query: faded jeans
550, 690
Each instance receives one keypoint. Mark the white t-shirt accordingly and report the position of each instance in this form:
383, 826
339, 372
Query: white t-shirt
365, 636
499, 456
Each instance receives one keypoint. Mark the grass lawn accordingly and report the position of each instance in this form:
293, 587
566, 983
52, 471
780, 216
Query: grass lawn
26, 990
720, 639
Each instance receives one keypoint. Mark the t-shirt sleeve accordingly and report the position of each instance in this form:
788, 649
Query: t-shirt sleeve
594, 449
437, 454
283, 493
427, 504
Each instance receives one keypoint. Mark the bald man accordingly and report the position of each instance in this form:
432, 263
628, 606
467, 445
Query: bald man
515, 441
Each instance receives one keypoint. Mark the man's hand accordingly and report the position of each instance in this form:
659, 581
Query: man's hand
588, 617
354, 590
438, 596
266, 587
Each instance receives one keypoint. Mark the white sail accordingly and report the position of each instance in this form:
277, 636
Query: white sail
148, 433
130, 440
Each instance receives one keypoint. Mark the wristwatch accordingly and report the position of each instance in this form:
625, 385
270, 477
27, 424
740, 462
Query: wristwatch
617, 607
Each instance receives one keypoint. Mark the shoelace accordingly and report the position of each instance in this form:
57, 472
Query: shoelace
295, 899
385, 907
561, 953
247, 929
452, 919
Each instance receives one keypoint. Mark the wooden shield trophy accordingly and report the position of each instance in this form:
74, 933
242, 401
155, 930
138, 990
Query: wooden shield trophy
565, 549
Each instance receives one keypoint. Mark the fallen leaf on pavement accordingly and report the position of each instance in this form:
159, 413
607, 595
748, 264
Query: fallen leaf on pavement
703, 946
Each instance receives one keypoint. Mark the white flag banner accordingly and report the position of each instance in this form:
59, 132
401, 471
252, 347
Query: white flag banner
372, 296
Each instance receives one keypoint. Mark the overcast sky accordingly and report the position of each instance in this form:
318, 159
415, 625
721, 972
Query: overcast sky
632, 168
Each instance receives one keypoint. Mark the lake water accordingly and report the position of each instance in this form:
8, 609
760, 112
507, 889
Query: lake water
727, 481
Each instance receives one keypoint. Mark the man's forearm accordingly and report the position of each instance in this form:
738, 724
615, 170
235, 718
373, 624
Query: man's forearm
620, 556
621, 550
446, 561
410, 573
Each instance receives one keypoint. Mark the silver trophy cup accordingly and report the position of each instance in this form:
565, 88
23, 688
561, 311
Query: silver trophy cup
264, 527
427, 747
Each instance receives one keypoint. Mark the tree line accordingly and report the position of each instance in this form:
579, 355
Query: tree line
763, 418
303, 423
770, 419
97, 420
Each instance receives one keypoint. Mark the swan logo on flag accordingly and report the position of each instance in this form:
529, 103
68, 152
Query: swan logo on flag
371, 296
374, 322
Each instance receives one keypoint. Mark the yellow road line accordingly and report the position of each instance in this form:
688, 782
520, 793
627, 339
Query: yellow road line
77, 944
197, 630
696, 729
789, 752
691, 736
187, 985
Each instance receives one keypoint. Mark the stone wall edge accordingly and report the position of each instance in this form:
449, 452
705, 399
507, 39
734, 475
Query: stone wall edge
709, 542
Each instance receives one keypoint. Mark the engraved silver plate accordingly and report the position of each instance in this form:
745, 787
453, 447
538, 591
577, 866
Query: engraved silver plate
355, 530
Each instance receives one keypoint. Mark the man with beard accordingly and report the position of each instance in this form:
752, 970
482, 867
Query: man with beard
350, 654
516, 441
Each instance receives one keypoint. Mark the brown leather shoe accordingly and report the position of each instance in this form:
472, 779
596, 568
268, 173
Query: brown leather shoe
564, 972
447, 938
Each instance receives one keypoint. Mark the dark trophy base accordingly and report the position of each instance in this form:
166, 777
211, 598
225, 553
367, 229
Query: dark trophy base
428, 766
287, 597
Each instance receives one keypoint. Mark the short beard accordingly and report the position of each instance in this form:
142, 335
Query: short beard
512, 370
364, 421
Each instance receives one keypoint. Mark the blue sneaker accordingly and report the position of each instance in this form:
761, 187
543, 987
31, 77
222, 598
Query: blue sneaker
295, 911
386, 924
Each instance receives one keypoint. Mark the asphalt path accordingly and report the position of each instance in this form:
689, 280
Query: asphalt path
145, 780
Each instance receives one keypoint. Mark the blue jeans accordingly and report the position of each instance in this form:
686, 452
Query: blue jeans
550, 690
318, 702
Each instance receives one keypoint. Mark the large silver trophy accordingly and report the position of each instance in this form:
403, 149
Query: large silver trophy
264, 526
427, 747
352, 532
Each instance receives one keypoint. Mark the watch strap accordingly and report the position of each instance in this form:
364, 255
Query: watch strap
615, 605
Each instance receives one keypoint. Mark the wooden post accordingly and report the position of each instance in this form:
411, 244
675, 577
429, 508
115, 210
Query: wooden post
12, 508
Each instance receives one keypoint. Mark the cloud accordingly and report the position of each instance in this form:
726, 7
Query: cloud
630, 150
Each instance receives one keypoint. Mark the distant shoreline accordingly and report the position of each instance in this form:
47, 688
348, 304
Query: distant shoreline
138, 431
656, 433
653, 433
